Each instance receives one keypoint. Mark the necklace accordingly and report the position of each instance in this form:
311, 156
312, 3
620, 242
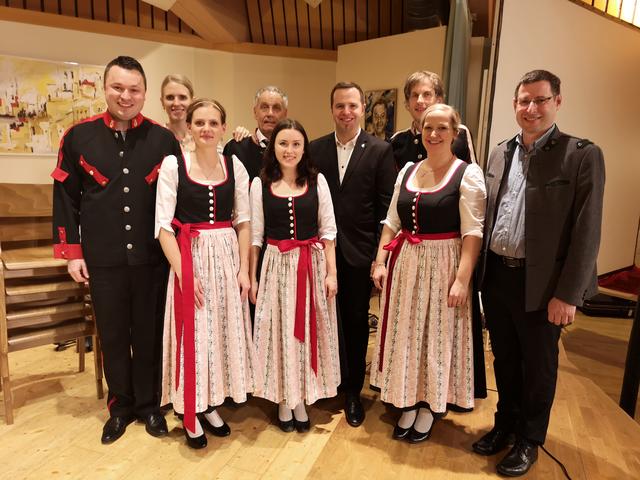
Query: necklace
423, 170
207, 176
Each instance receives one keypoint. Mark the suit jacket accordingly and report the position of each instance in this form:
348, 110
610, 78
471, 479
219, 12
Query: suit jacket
360, 203
563, 210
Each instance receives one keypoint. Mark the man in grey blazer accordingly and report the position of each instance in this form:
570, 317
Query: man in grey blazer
541, 239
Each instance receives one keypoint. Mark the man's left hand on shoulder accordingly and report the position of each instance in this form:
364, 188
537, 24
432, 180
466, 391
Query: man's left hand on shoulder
560, 313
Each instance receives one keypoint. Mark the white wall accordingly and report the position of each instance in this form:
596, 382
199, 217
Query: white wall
598, 61
386, 62
231, 78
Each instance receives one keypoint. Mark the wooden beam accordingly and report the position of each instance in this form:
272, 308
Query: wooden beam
217, 21
278, 51
94, 26
97, 26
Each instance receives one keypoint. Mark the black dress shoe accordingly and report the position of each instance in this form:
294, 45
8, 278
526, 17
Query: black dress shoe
114, 428
196, 443
399, 433
302, 427
221, 431
354, 411
494, 441
415, 436
519, 459
155, 424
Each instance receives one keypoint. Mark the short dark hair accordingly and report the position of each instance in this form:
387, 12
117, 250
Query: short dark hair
128, 63
344, 86
206, 102
306, 170
539, 76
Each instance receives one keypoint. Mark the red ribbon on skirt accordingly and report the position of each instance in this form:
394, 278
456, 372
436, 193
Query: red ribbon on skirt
304, 272
185, 313
394, 246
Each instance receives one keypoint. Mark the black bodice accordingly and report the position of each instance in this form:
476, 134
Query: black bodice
198, 202
293, 217
434, 211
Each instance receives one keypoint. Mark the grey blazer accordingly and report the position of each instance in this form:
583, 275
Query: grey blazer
563, 209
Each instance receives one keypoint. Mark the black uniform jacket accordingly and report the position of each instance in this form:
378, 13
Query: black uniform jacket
249, 153
104, 191
563, 215
361, 201
408, 147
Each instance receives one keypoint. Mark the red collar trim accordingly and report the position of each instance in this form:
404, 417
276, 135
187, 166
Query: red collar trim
111, 123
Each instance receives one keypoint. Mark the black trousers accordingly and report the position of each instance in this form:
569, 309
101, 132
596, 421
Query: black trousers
354, 291
129, 305
525, 348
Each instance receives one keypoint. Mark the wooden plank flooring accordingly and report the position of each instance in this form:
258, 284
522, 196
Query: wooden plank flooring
58, 422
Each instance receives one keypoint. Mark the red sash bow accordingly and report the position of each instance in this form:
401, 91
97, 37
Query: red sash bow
304, 272
394, 246
185, 311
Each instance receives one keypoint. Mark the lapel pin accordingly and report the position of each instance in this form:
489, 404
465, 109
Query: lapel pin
362, 145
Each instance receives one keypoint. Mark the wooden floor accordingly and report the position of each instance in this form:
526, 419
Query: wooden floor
58, 422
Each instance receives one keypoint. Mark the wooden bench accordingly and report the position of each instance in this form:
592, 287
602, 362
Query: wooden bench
39, 302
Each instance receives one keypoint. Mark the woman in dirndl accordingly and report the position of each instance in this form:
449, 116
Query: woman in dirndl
202, 222
424, 350
295, 329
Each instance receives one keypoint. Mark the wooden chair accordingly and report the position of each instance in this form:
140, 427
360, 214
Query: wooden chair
39, 302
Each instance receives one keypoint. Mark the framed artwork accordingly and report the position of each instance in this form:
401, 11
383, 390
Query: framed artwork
40, 100
380, 113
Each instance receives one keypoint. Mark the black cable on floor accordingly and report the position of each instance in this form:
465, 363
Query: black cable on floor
564, 469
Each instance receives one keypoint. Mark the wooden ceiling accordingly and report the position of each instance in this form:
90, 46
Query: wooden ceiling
257, 23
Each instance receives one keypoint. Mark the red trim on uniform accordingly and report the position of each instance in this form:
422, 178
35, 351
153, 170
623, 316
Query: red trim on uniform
184, 307
59, 174
111, 402
395, 246
68, 251
153, 175
110, 122
86, 120
304, 272
93, 171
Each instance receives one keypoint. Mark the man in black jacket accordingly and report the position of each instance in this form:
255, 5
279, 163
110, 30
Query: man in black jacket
360, 171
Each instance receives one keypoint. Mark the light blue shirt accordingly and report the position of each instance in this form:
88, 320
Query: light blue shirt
508, 235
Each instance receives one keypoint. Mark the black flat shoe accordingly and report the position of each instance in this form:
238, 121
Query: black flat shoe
493, 442
302, 427
221, 431
155, 424
286, 426
415, 436
196, 443
399, 433
519, 460
114, 428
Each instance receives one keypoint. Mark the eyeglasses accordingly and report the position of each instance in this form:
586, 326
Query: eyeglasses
538, 101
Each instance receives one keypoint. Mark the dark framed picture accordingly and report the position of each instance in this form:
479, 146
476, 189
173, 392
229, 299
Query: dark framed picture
380, 113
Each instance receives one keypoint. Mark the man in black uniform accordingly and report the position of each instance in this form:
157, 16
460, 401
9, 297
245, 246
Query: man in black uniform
421, 90
103, 220
269, 107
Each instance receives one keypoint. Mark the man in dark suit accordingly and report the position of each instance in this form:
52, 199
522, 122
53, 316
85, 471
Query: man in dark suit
360, 171
541, 239
269, 107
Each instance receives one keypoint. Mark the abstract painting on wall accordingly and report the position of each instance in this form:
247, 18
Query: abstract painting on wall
40, 100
